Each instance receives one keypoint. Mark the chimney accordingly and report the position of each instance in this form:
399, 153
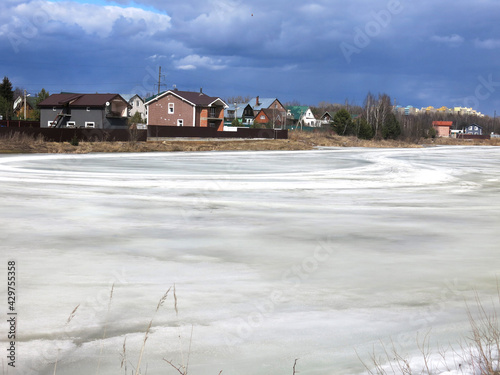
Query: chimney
201, 90
257, 101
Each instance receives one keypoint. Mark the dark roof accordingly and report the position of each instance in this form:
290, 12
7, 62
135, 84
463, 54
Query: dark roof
79, 100
270, 113
197, 98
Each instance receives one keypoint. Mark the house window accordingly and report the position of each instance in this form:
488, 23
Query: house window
171, 108
262, 117
180, 122
54, 109
88, 109
51, 124
137, 103
71, 124
212, 112
89, 124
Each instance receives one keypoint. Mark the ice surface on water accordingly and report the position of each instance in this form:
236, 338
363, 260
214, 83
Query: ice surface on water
314, 255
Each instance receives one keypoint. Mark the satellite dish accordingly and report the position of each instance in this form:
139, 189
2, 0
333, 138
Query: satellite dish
107, 104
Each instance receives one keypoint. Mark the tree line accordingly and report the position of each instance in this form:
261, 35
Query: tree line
7, 97
378, 119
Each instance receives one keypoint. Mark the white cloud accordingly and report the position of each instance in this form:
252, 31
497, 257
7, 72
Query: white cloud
453, 40
487, 43
92, 19
195, 61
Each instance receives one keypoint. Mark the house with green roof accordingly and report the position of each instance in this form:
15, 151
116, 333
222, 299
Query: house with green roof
301, 115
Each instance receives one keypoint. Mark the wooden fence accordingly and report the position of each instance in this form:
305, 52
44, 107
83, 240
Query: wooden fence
159, 131
19, 124
152, 133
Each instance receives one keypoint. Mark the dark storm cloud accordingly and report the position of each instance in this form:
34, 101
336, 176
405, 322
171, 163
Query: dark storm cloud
425, 53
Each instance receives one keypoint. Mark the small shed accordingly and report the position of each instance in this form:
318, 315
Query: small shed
443, 128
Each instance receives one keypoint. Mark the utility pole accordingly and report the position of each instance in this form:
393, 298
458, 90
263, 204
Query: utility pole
159, 80
25, 103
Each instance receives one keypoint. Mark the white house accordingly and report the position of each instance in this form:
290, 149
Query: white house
137, 105
302, 115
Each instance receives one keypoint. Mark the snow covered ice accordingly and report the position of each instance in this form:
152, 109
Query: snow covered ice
316, 255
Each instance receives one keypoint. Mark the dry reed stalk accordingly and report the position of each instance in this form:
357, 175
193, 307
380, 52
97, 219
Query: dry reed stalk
72, 315
146, 335
294, 365
70, 318
124, 355
105, 328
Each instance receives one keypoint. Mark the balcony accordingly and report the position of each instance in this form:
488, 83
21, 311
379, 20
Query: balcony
114, 114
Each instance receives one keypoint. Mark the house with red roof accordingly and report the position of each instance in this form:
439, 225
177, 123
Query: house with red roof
186, 108
70, 110
443, 128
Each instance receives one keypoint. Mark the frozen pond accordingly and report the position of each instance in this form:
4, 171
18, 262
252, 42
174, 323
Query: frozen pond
275, 256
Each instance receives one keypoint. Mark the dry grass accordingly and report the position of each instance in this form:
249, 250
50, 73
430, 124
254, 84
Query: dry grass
298, 140
462, 142
478, 353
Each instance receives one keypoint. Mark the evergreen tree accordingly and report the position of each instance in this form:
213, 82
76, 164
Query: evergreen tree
4, 108
342, 123
7, 94
365, 130
41, 96
391, 128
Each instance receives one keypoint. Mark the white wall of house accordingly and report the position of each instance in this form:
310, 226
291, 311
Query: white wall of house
308, 119
137, 105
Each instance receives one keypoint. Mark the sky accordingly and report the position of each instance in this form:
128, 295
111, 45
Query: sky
425, 53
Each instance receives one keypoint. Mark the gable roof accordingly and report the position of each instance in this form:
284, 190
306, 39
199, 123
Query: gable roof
240, 108
79, 100
323, 116
262, 102
270, 114
30, 101
133, 97
192, 97
297, 111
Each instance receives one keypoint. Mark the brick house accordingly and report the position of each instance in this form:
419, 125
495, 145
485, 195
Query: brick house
259, 103
186, 108
272, 117
443, 128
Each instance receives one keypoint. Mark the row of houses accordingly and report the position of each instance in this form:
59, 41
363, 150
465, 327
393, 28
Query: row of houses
169, 108
182, 108
444, 129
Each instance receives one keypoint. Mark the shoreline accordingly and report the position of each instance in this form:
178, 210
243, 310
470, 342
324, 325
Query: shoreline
297, 141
